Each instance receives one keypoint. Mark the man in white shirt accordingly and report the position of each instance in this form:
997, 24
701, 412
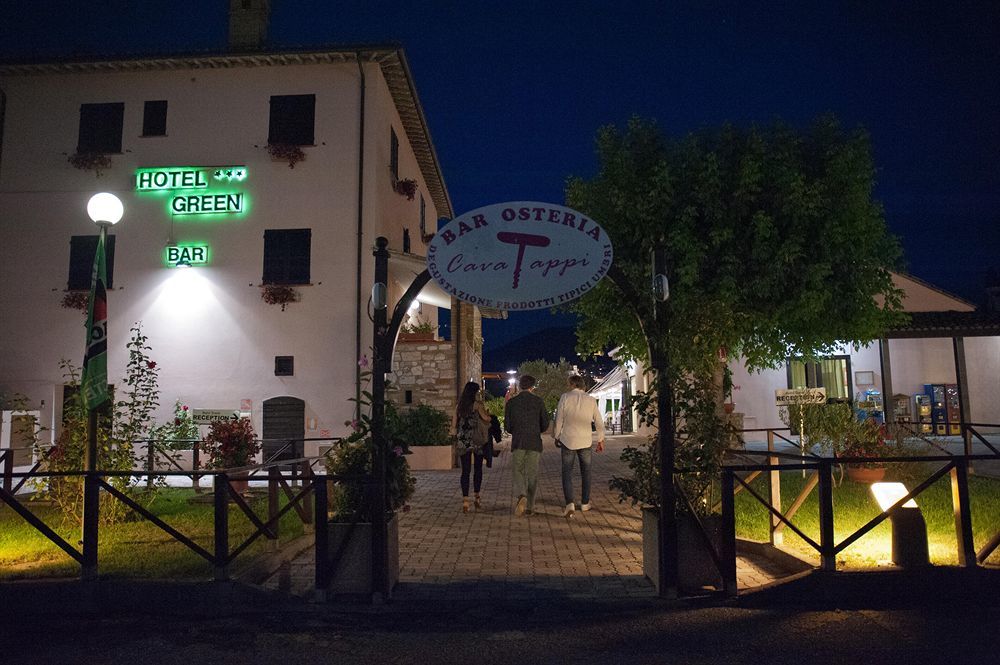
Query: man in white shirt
576, 412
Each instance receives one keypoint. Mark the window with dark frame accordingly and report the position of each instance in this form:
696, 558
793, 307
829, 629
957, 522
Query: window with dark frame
423, 216
293, 120
284, 365
406, 241
81, 262
154, 118
287, 256
832, 373
393, 154
101, 128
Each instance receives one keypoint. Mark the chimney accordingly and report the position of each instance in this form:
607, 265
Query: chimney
248, 21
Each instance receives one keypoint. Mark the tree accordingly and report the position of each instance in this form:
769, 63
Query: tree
774, 248
550, 378
775, 245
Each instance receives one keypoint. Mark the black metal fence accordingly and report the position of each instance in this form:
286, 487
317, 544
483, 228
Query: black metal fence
296, 488
821, 476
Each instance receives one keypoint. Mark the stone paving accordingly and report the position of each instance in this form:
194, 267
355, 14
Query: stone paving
490, 553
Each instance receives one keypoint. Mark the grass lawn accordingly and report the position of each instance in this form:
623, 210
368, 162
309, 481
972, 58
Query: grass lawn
139, 548
854, 506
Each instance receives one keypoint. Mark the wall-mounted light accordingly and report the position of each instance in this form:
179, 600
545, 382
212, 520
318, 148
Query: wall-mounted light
378, 295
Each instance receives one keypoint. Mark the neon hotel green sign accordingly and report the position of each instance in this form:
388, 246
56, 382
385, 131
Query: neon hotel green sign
178, 181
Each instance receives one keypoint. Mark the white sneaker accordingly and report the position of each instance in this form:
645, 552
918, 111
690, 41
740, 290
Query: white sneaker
522, 503
585, 507
569, 510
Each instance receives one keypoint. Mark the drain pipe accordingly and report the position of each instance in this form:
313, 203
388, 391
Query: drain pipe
361, 204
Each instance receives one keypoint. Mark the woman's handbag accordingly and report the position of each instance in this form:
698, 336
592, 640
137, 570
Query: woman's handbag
481, 434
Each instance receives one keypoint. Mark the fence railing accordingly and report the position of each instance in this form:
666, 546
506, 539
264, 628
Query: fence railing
222, 552
820, 469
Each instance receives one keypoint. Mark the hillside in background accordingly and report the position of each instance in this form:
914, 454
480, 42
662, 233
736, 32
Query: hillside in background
549, 344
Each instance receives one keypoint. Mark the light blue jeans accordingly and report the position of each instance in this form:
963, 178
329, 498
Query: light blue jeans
568, 458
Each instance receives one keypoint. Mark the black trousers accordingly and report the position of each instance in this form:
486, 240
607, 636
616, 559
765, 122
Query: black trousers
477, 478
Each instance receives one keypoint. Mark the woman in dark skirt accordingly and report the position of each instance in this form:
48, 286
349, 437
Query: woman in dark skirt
472, 426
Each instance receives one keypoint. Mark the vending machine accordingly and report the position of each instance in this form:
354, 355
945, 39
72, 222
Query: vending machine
868, 404
953, 405
939, 413
923, 404
902, 409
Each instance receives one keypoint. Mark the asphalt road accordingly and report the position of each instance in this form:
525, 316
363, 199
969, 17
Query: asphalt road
861, 620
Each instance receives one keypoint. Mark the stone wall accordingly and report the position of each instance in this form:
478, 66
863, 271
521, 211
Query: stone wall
427, 371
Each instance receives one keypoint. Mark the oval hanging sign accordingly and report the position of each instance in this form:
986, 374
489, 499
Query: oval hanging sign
519, 256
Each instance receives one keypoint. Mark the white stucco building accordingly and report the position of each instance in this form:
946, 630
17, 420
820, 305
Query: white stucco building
945, 333
187, 140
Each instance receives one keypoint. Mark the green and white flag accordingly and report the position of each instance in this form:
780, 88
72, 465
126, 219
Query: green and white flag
94, 383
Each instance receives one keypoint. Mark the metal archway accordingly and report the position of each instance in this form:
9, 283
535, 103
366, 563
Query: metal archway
654, 324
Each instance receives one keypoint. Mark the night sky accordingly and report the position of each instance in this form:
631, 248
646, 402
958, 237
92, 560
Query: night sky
514, 91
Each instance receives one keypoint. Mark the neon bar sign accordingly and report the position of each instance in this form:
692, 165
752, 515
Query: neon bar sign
180, 180
186, 255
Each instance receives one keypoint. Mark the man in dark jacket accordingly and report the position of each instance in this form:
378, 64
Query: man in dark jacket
525, 418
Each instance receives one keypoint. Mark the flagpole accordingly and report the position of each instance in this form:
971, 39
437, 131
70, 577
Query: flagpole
106, 210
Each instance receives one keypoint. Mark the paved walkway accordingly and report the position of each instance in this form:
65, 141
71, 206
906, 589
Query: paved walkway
490, 553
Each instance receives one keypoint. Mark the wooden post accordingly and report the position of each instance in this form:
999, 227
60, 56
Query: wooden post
195, 464
307, 473
962, 381
774, 484
150, 463
963, 514
828, 559
729, 583
322, 539
91, 503
221, 527
8, 469
272, 504
888, 403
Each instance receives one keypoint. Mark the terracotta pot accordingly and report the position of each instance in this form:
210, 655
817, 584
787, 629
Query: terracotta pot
416, 337
860, 474
239, 483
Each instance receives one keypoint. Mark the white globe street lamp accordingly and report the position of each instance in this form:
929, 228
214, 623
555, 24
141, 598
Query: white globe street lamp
105, 209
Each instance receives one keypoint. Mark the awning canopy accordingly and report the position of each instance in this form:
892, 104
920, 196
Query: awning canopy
948, 324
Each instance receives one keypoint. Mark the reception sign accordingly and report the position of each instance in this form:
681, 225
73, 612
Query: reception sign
519, 256
791, 396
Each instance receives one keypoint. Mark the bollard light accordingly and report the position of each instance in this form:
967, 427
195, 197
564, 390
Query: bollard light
909, 531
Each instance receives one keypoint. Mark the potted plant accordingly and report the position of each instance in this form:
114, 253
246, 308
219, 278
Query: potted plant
78, 300
727, 390
866, 439
350, 526
278, 294
406, 187
286, 152
425, 432
231, 444
90, 161
700, 444
421, 331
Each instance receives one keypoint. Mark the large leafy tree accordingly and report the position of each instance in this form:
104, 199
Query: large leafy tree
775, 245
551, 379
